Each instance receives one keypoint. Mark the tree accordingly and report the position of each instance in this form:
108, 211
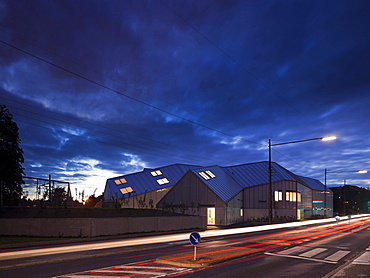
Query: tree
92, 201
59, 196
11, 159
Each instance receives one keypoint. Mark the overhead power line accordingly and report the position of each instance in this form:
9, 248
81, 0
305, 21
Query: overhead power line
122, 94
139, 146
235, 61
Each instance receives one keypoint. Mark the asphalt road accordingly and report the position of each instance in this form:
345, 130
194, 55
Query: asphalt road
324, 250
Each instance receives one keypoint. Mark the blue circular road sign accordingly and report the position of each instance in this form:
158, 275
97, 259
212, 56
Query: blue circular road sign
194, 238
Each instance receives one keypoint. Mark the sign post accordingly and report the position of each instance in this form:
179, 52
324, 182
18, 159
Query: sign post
195, 240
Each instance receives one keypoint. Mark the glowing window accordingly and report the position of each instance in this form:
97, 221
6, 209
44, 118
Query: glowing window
204, 175
210, 174
163, 181
156, 173
278, 196
126, 190
291, 196
120, 181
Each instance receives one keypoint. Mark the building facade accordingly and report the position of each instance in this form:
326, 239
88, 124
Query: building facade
350, 199
226, 195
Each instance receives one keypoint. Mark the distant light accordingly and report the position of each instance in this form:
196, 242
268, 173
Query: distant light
362, 172
329, 138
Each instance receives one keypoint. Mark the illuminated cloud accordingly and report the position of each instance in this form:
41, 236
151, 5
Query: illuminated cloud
103, 94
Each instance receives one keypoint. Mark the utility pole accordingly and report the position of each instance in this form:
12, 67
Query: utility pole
2, 193
270, 185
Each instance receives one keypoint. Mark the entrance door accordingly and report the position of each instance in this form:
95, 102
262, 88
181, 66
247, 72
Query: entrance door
211, 216
299, 214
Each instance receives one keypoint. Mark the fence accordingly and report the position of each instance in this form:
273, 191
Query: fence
48, 190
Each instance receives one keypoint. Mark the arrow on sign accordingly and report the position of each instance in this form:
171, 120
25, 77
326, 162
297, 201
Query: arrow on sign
195, 239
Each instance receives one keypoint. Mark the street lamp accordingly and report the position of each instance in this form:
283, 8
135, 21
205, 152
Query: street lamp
270, 205
326, 172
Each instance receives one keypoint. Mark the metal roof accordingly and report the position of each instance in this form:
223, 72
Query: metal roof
314, 184
219, 181
226, 182
144, 181
253, 174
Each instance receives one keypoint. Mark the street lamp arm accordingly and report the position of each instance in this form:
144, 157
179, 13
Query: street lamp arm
305, 140
357, 171
270, 203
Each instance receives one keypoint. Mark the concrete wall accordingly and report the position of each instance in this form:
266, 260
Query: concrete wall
91, 227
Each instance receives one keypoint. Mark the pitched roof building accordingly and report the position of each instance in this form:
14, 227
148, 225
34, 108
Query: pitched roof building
226, 195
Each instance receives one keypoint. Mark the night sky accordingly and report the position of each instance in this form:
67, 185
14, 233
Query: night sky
100, 89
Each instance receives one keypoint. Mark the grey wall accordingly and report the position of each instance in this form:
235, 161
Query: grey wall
91, 227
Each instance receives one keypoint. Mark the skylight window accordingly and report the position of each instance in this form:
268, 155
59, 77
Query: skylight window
210, 174
126, 190
207, 175
204, 175
163, 181
156, 173
120, 181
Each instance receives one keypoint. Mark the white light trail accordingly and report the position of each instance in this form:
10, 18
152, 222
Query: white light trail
8, 255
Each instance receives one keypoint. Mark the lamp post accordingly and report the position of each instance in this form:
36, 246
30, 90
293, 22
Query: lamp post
270, 204
326, 172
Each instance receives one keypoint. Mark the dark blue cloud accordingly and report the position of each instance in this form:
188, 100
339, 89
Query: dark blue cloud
100, 89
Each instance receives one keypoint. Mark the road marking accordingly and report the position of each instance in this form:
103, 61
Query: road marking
302, 258
313, 252
337, 255
332, 259
128, 271
292, 250
363, 259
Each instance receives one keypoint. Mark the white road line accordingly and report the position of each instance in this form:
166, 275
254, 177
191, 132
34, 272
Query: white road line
76, 275
302, 258
142, 267
363, 259
133, 272
128, 271
337, 255
291, 250
313, 252
7, 255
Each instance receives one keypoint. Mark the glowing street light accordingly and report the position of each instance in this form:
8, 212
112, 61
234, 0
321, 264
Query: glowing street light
270, 205
329, 138
326, 172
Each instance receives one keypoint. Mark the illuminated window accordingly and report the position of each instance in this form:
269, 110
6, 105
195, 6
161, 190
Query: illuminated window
120, 181
291, 196
210, 174
241, 212
126, 190
204, 175
278, 196
207, 175
156, 173
163, 181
